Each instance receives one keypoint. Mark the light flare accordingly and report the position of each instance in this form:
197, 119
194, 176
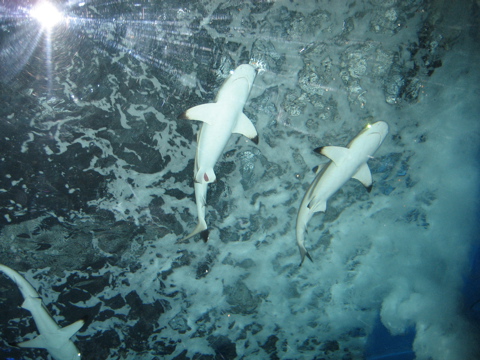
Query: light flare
46, 14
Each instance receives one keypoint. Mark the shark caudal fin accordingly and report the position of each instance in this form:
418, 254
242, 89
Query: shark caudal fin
201, 229
303, 253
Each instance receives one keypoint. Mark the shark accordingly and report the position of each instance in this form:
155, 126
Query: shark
220, 119
346, 162
53, 338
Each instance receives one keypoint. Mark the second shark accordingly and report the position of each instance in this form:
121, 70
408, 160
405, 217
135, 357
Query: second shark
346, 163
53, 338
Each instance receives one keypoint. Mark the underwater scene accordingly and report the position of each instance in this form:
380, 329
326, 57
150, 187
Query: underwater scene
252, 179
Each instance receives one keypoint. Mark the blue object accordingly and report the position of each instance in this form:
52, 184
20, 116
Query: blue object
471, 288
381, 345
471, 281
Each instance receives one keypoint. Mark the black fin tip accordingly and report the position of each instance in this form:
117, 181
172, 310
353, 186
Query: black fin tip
205, 234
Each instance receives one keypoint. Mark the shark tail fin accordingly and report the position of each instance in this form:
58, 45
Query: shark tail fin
303, 253
201, 229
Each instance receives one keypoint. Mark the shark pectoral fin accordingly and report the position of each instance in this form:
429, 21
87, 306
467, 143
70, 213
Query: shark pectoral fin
245, 127
204, 112
38, 343
70, 330
334, 153
364, 176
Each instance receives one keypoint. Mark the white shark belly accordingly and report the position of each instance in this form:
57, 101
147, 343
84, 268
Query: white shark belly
211, 143
332, 180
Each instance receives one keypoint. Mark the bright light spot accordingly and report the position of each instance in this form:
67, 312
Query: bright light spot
46, 14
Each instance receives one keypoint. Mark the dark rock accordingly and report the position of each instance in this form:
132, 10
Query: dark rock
115, 303
330, 346
164, 346
148, 312
270, 344
100, 348
179, 323
241, 299
223, 346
